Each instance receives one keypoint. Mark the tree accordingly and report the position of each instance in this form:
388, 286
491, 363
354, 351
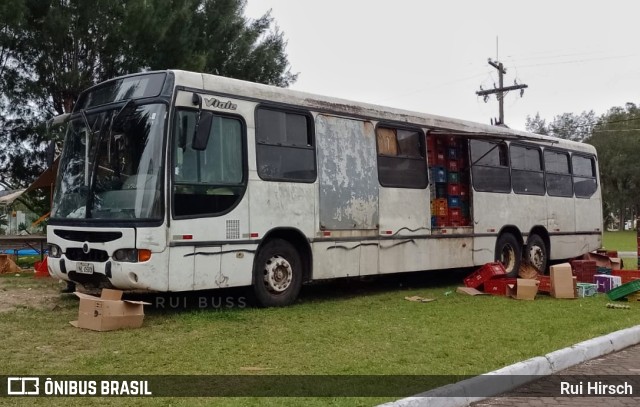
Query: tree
570, 126
50, 50
616, 140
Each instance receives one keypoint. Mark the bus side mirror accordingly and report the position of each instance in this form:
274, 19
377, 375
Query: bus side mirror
203, 129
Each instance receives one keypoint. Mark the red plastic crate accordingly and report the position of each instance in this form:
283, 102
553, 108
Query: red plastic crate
484, 273
452, 165
442, 221
584, 270
464, 192
545, 284
497, 286
441, 159
453, 189
455, 215
626, 275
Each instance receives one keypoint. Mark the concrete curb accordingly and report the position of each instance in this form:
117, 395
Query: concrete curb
461, 394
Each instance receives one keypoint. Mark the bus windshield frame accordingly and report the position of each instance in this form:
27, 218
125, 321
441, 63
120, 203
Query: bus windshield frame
112, 164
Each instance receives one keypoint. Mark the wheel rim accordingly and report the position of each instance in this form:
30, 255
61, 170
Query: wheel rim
508, 257
536, 257
278, 274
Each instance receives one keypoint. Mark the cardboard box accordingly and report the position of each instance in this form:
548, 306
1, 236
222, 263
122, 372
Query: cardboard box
108, 312
523, 289
606, 283
469, 291
563, 284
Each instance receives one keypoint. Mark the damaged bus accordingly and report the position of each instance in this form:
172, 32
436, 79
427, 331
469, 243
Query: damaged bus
178, 181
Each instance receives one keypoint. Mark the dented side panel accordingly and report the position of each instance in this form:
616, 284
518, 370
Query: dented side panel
347, 173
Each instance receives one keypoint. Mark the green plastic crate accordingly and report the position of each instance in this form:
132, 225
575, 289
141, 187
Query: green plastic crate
624, 290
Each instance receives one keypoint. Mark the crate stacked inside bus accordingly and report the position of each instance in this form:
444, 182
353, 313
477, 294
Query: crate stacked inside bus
448, 163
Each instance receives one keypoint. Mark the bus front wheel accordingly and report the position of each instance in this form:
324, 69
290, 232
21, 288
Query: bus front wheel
277, 274
509, 253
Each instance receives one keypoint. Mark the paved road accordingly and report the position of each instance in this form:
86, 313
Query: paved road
623, 363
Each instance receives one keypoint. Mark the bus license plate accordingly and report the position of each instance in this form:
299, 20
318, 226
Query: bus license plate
84, 268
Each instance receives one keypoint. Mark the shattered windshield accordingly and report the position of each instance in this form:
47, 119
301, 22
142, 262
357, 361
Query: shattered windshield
111, 165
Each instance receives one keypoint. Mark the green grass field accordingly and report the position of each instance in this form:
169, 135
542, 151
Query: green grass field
344, 328
622, 241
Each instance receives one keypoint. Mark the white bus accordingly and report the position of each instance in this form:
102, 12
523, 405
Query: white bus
177, 181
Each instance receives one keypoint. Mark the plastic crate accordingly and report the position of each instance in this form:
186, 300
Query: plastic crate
442, 221
453, 201
452, 153
545, 284
603, 270
453, 177
441, 158
438, 174
586, 289
441, 190
484, 273
584, 270
624, 290
455, 215
431, 157
452, 165
464, 192
439, 207
453, 189
627, 275
497, 286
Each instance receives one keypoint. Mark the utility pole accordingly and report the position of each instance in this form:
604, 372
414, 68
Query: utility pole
501, 90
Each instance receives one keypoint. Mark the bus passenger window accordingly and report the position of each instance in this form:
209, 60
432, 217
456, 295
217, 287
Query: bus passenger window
584, 176
558, 175
401, 160
285, 146
526, 170
490, 166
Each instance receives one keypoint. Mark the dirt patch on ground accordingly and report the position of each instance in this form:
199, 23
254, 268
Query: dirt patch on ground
28, 292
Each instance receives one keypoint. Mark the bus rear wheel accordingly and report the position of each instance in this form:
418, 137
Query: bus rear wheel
277, 274
536, 253
509, 253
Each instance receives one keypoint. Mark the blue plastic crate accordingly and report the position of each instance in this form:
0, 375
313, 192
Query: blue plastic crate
453, 201
438, 174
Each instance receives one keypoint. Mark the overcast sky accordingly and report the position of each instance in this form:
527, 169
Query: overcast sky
431, 56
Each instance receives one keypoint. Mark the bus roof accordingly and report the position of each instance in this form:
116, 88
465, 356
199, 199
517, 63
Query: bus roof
260, 92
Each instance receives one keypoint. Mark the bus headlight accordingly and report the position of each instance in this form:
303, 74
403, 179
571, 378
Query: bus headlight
132, 255
55, 251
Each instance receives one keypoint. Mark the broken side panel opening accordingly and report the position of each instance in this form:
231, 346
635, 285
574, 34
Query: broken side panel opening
448, 162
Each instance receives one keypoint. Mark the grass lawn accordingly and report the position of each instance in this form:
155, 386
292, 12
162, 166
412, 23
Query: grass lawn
621, 241
343, 328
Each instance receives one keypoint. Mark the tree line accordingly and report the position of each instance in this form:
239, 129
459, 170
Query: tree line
51, 50
616, 136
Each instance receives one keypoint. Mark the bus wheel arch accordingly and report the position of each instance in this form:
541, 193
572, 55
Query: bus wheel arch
509, 248
538, 249
281, 265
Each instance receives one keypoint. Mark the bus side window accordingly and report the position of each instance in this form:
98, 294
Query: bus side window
526, 170
285, 146
401, 160
558, 175
584, 175
490, 166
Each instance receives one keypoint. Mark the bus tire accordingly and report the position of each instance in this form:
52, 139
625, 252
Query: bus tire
536, 253
277, 274
509, 253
